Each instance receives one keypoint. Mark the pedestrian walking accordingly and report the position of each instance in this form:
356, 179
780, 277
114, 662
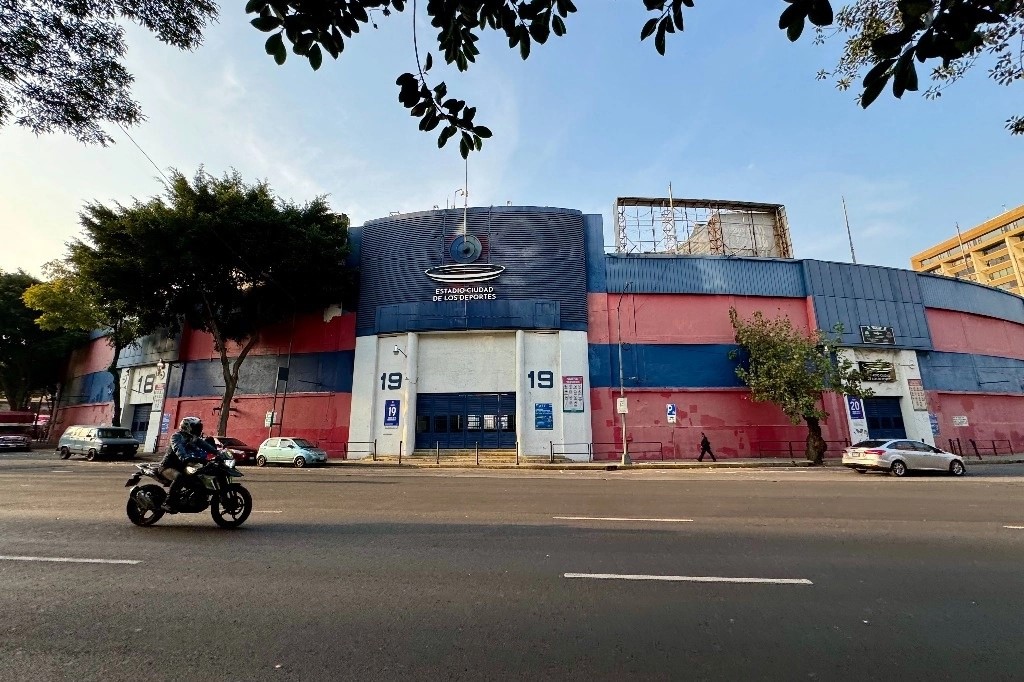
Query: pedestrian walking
705, 448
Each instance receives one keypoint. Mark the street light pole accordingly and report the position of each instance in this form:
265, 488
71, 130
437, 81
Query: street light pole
626, 460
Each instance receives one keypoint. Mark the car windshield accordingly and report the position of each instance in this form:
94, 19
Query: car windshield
303, 443
114, 433
870, 444
230, 441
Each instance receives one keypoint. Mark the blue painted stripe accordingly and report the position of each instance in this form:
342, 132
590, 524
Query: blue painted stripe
664, 366
96, 387
968, 372
667, 274
968, 297
329, 372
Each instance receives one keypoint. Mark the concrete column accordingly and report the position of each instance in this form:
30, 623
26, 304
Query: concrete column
520, 384
409, 391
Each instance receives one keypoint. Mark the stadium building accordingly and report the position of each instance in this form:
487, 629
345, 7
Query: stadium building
514, 329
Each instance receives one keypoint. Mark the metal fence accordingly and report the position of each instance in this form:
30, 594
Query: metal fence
796, 448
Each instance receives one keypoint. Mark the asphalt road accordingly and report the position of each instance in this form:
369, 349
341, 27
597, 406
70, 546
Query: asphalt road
366, 574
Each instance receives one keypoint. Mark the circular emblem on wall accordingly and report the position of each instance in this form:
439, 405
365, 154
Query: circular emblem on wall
465, 249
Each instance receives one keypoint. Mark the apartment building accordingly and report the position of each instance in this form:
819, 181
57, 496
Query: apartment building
991, 253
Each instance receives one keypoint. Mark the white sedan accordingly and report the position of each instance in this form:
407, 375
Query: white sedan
898, 456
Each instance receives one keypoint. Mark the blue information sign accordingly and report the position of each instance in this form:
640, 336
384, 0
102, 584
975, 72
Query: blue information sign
165, 422
934, 420
856, 407
391, 413
543, 417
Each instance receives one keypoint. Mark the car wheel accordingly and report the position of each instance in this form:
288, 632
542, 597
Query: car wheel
898, 468
261, 461
957, 468
91, 455
300, 462
64, 453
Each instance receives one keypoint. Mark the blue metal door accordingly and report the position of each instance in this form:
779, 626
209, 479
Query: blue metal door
140, 421
885, 420
463, 421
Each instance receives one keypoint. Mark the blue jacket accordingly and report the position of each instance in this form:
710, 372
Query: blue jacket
190, 448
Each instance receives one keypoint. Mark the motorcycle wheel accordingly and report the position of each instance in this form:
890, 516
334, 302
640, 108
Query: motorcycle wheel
232, 507
141, 516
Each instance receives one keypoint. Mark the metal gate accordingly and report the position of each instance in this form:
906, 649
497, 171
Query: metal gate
885, 420
140, 421
458, 421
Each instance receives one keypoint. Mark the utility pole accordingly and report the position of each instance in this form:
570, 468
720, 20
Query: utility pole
626, 460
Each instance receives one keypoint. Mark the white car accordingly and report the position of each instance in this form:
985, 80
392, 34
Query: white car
899, 455
298, 452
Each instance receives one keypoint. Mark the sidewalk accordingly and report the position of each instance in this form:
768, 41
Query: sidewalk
537, 463
533, 464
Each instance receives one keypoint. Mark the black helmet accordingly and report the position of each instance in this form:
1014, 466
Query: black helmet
191, 426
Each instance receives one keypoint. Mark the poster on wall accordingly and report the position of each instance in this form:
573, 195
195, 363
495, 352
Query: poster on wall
165, 422
856, 406
572, 394
934, 419
543, 417
917, 396
391, 413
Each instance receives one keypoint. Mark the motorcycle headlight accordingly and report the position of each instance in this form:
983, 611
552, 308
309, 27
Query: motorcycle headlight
229, 463
193, 468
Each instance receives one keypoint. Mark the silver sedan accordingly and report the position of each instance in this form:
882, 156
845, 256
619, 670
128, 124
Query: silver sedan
898, 456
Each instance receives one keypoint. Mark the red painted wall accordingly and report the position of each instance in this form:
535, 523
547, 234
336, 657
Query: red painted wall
95, 356
681, 318
957, 332
734, 424
94, 413
312, 335
990, 417
321, 418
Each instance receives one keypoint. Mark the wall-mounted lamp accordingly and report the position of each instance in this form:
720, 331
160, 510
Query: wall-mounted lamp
398, 350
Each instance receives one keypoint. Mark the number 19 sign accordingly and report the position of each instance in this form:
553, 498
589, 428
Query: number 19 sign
391, 414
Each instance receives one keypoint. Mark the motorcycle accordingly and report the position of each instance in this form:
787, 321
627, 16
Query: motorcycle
206, 485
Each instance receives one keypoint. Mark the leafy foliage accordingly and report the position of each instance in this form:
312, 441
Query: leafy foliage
61, 60
31, 359
888, 38
894, 34
223, 257
71, 300
785, 366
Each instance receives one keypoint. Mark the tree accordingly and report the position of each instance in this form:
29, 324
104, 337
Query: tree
31, 359
792, 369
896, 33
222, 257
61, 60
885, 37
71, 300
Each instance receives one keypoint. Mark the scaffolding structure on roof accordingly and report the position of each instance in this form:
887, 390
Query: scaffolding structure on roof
667, 225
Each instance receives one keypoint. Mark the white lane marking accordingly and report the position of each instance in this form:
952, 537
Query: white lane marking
266, 511
1014, 527
61, 471
690, 578
67, 560
618, 518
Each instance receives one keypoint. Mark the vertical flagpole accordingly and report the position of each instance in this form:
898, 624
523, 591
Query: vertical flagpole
849, 235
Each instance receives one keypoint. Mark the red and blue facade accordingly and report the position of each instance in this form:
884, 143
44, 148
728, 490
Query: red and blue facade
666, 317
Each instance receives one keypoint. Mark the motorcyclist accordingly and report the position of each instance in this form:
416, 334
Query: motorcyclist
187, 444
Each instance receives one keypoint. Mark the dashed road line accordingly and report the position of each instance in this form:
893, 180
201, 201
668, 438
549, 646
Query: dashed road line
690, 578
267, 511
1014, 527
618, 518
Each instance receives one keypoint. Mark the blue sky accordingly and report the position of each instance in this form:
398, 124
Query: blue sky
732, 112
